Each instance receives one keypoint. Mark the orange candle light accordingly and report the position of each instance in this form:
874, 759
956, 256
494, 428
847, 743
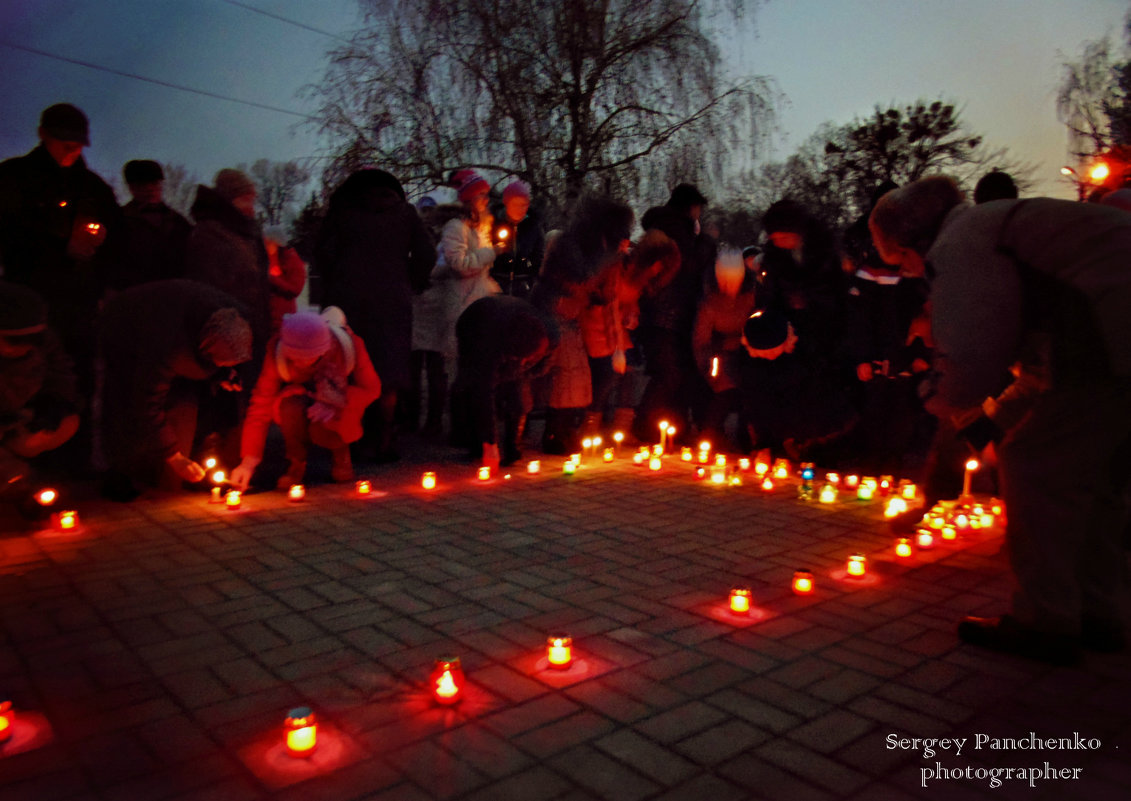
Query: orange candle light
93, 228
833, 478
781, 469
559, 651
7, 720
301, 732
586, 444
700, 472
885, 485
704, 456
895, 506
447, 680
718, 475
657, 450
217, 495
803, 582
908, 491
851, 481
364, 487
67, 520
655, 463
857, 565
534, 467
761, 468
865, 491
210, 462
296, 493
736, 479
828, 493
484, 473
618, 438
903, 547
638, 458
685, 454
740, 600
949, 533
46, 497
971, 466
767, 484
569, 467
744, 464
608, 455
925, 539
219, 477
232, 499
428, 480
720, 460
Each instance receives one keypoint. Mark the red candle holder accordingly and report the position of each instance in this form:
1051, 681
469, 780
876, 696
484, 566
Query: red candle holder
363, 487
301, 732
857, 565
803, 582
428, 480
559, 651
447, 681
903, 547
67, 520
740, 600
7, 720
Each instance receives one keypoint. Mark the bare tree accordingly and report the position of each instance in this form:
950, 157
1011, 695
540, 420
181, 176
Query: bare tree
180, 187
278, 184
835, 171
568, 94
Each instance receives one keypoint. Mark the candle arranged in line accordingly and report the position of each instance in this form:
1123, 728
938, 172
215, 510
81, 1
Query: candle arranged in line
559, 651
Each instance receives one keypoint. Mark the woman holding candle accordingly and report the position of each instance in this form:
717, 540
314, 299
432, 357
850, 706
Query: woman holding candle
316, 383
461, 276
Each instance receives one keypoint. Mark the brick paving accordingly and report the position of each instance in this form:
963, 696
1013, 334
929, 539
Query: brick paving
161, 646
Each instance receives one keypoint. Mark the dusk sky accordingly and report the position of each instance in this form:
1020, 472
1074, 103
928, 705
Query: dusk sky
832, 59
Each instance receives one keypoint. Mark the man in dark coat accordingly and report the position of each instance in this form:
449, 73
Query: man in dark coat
666, 318
226, 250
59, 223
1014, 277
168, 346
503, 342
38, 399
155, 237
374, 254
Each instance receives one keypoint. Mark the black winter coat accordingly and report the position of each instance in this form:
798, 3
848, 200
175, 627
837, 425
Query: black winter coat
372, 256
154, 242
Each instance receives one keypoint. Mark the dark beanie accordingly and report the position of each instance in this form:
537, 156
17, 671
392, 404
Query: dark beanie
685, 196
226, 338
785, 216
995, 185
143, 171
231, 184
22, 311
765, 330
66, 123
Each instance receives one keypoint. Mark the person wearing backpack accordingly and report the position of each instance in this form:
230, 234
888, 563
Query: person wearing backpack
317, 380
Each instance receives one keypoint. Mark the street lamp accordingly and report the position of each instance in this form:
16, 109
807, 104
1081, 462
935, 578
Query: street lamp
1081, 190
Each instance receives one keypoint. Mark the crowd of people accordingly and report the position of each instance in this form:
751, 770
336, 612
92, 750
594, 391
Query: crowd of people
134, 342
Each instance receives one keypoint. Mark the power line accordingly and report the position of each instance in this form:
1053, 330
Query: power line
287, 20
167, 84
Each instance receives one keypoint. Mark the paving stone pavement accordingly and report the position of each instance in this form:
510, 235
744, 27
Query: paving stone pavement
160, 647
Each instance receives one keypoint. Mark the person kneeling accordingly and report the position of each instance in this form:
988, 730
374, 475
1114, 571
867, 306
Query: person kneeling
316, 382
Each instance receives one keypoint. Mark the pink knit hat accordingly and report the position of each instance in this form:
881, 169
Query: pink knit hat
517, 188
304, 336
468, 184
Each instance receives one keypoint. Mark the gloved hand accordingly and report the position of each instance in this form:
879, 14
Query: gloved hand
185, 467
231, 382
241, 475
321, 413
